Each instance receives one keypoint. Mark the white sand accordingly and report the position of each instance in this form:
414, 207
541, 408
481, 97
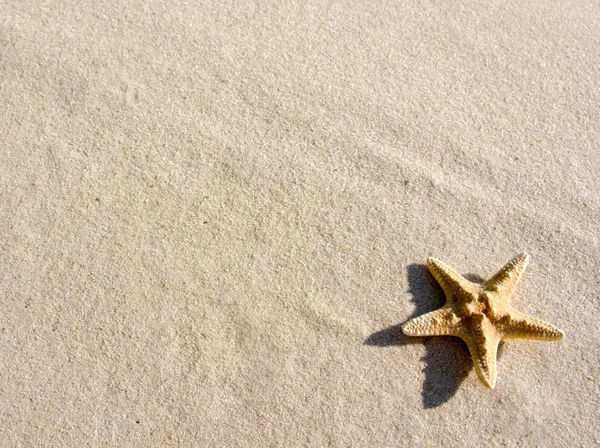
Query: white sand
211, 213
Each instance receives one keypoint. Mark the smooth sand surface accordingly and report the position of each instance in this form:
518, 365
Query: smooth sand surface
214, 219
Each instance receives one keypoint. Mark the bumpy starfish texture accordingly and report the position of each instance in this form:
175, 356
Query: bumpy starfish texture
481, 314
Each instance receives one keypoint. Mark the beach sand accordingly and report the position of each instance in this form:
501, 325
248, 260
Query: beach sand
215, 217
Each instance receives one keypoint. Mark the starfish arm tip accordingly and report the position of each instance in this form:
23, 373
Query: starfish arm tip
409, 328
518, 263
488, 377
525, 257
559, 334
487, 374
491, 385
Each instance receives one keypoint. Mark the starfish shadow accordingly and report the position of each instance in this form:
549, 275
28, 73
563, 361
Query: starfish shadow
447, 359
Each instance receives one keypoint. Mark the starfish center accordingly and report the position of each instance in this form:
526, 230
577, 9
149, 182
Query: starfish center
484, 303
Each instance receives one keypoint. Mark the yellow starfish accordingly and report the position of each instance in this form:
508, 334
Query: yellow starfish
481, 314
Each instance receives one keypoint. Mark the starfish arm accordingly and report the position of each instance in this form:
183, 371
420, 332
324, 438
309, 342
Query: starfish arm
437, 323
506, 279
483, 345
450, 280
520, 325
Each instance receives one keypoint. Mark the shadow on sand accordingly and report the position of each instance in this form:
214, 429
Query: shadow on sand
447, 359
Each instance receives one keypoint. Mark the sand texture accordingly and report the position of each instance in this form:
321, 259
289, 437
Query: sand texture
214, 219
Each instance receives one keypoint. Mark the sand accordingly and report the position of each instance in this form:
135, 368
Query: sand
215, 216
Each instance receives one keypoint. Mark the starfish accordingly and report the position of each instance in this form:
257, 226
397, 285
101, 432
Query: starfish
481, 314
